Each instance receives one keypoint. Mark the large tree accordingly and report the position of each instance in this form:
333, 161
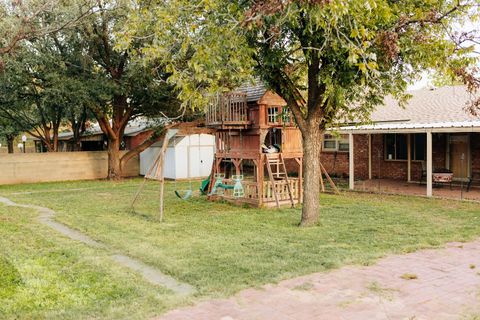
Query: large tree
22, 20
38, 91
331, 60
124, 87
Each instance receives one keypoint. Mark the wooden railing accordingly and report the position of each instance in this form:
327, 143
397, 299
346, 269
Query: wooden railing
229, 108
249, 187
251, 190
282, 190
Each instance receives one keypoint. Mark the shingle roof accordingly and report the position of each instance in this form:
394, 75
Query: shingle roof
254, 91
445, 104
444, 107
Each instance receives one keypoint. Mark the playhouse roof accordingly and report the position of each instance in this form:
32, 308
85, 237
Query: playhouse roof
254, 91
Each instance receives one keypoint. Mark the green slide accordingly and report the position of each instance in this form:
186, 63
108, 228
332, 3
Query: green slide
204, 186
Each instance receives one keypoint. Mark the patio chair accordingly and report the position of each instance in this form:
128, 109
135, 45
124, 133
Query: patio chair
475, 177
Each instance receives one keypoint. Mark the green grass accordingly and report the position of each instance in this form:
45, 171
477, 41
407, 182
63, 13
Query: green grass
218, 248
45, 276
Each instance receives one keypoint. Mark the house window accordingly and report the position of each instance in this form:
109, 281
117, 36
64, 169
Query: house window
272, 114
334, 143
396, 146
419, 146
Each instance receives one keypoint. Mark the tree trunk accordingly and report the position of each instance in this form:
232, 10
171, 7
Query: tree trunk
114, 170
10, 139
55, 139
311, 173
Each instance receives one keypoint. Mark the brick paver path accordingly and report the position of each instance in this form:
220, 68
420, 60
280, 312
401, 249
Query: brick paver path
447, 287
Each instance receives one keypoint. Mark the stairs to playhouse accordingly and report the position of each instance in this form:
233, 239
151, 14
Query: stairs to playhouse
278, 171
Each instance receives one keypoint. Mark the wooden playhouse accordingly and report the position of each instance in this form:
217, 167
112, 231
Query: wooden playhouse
257, 145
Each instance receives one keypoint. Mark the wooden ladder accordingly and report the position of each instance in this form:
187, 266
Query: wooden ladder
279, 174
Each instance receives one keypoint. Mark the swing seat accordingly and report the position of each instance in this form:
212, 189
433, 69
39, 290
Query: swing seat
238, 191
217, 184
187, 194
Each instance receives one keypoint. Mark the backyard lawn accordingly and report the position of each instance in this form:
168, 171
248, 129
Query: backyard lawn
215, 247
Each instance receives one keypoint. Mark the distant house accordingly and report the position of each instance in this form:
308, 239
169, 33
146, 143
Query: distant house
95, 140
433, 138
187, 156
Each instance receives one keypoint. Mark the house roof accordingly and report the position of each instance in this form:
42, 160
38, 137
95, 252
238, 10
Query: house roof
132, 129
437, 108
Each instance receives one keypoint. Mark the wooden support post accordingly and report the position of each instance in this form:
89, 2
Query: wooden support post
351, 162
429, 165
369, 156
161, 172
212, 176
300, 179
409, 157
147, 176
321, 181
332, 184
289, 187
259, 179
236, 163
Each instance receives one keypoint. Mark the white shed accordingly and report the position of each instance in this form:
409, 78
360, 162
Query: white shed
186, 156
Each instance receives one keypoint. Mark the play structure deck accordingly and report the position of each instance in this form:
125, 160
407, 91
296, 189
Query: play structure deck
258, 150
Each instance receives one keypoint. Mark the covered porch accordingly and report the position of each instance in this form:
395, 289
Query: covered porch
441, 159
391, 186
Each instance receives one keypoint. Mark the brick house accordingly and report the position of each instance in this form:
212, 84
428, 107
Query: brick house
434, 136
95, 140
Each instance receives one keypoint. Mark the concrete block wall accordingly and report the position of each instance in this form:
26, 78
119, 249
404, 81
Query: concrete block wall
58, 166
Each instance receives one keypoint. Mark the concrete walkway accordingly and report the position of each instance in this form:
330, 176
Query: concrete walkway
150, 274
428, 284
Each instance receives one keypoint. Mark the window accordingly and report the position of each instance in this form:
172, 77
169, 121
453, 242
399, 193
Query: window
286, 116
396, 146
419, 146
272, 114
334, 143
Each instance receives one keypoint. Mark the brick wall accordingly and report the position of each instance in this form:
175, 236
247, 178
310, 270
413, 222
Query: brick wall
133, 141
336, 163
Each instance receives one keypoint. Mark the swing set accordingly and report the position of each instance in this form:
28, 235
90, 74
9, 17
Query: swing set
156, 172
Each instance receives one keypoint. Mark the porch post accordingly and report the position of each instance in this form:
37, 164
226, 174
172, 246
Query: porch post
429, 164
369, 156
409, 157
351, 162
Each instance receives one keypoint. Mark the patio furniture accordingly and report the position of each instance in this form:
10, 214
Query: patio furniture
475, 177
442, 176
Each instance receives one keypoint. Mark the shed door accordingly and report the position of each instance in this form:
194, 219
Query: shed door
206, 160
460, 156
201, 160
